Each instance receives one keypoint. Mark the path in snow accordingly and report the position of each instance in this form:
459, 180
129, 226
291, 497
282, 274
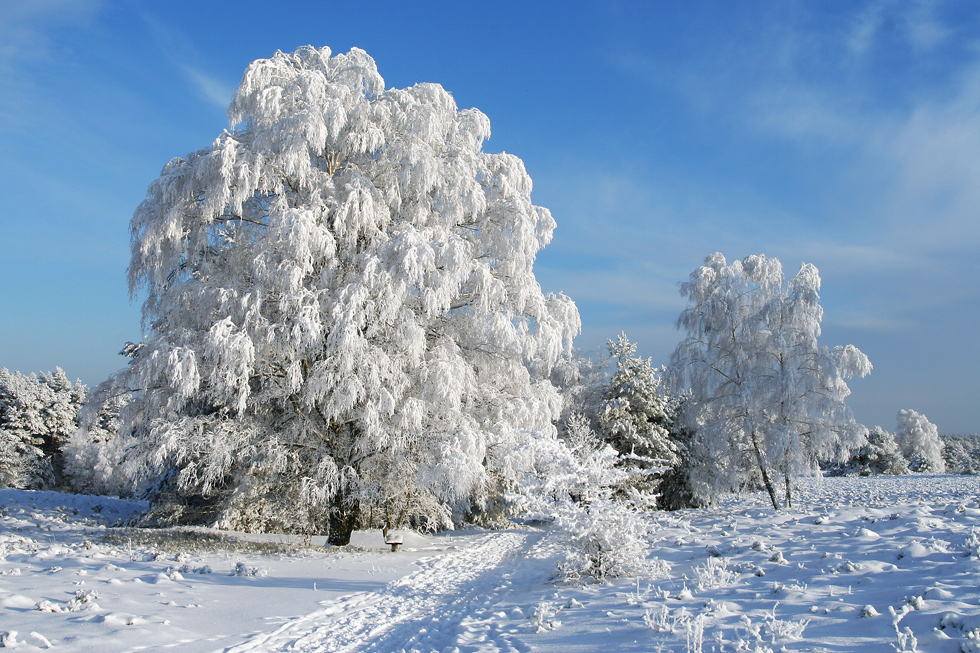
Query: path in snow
451, 604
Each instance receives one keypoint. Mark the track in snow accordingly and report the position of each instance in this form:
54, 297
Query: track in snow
448, 605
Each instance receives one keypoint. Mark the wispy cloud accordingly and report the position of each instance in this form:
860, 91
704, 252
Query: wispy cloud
28, 41
214, 90
185, 58
25, 27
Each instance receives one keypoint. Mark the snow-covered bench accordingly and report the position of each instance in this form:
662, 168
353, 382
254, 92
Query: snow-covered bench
394, 539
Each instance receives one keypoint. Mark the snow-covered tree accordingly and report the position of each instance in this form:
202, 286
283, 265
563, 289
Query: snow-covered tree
960, 456
94, 453
919, 441
765, 398
37, 414
880, 455
634, 415
343, 317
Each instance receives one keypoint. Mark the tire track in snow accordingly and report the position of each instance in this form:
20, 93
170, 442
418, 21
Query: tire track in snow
446, 605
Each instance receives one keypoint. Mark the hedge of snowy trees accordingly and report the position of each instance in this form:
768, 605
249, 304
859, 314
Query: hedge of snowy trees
345, 330
37, 416
915, 447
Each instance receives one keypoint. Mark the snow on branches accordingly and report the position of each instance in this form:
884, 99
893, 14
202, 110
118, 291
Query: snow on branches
341, 304
37, 415
765, 397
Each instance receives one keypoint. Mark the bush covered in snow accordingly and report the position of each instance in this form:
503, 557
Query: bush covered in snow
578, 486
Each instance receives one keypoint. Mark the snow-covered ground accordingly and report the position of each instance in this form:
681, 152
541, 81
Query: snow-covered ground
855, 559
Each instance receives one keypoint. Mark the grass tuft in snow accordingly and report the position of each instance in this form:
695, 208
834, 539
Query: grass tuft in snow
181, 541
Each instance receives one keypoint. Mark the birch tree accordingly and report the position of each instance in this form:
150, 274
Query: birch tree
343, 317
766, 400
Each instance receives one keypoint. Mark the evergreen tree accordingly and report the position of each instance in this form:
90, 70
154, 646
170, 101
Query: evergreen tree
634, 416
37, 415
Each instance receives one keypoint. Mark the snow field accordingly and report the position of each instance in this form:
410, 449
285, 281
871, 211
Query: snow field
823, 577
861, 564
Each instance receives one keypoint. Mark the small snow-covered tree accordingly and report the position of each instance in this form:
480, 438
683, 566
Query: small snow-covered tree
634, 415
37, 414
572, 483
765, 398
920, 443
342, 311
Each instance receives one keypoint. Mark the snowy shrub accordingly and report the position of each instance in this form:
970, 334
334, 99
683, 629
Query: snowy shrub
604, 537
784, 630
971, 642
906, 640
714, 573
973, 544
543, 618
345, 320
241, 569
48, 606
83, 600
920, 443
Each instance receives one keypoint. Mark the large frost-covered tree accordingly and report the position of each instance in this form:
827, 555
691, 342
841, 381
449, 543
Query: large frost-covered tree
343, 318
765, 398
920, 443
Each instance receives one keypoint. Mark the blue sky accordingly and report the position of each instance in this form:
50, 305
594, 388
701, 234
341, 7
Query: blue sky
843, 134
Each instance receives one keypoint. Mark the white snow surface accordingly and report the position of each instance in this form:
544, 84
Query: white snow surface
861, 564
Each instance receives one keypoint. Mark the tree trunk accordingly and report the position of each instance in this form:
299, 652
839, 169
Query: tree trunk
343, 520
765, 474
789, 492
